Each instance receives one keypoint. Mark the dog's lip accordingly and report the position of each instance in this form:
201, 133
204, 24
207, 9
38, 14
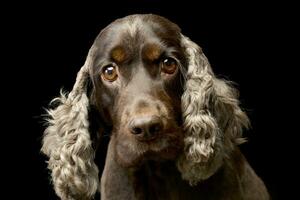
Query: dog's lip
172, 143
167, 153
165, 146
155, 138
149, 140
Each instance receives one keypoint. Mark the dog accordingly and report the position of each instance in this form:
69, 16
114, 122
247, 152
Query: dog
174, 127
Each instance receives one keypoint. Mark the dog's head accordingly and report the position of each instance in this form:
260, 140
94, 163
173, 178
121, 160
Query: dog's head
137, 78
157, 91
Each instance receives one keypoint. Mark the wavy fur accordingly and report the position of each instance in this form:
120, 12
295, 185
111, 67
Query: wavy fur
68, 145
212, 123
209, 136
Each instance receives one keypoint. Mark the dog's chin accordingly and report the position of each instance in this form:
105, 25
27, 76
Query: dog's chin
132, 153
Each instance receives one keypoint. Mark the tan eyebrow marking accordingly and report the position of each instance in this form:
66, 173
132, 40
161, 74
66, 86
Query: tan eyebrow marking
118, 54
152, 52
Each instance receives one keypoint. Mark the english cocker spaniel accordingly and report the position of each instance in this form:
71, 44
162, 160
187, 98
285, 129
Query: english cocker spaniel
173, 125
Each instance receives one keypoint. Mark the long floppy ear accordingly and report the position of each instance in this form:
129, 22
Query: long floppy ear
68, 145
212, 118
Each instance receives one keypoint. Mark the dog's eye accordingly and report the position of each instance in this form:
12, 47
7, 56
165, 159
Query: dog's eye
168, 65
109, 73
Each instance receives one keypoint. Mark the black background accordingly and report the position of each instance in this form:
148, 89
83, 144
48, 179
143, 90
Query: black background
46, 44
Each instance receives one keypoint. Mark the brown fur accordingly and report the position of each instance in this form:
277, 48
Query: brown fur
172, 135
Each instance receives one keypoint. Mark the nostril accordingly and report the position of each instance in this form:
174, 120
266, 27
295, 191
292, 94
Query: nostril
154, 128
146, 127
136, 130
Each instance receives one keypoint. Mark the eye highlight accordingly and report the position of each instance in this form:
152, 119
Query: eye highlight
169, 65
109, 73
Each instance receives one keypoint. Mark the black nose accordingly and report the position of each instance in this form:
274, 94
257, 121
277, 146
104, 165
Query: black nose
146, 127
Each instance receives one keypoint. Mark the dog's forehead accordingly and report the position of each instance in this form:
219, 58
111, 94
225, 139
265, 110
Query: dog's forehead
137, 30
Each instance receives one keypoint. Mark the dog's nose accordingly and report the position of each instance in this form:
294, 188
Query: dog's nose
146, 127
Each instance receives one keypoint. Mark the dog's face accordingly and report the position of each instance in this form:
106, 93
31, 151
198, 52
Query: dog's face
137, 80
157, 90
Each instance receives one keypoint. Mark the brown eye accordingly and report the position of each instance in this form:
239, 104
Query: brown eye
169, 65
109, 73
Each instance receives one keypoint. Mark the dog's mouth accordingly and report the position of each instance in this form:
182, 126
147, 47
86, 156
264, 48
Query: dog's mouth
132, 153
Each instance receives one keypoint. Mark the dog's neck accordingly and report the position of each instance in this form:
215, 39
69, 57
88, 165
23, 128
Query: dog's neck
156, 180
159, 180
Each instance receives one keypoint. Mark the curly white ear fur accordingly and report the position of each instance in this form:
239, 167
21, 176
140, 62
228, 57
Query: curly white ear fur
68, 145
212, 118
